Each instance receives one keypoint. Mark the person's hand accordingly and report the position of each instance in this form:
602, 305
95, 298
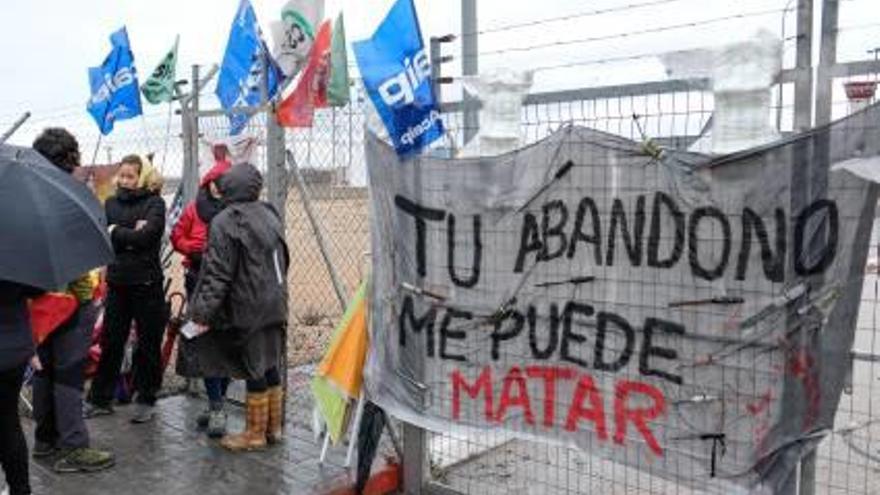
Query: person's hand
36, 364
201, 328
140, 224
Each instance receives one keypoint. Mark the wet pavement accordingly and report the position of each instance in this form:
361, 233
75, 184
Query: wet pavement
170, 456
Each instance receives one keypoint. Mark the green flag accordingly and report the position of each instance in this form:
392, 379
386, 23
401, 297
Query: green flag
340, 374
160, 85
337, 88
333, 406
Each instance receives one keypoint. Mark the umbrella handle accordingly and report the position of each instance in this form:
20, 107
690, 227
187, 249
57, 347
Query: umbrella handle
173, 327
178, 297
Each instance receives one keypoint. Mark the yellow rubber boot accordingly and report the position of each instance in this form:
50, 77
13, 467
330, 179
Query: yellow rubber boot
276, 415
254, 435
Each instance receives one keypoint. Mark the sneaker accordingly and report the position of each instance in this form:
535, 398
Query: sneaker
84, 460
92, 410
217, 423
143, 413
203, 419
42, 450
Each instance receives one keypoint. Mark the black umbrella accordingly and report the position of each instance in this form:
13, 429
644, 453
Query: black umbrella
52, 228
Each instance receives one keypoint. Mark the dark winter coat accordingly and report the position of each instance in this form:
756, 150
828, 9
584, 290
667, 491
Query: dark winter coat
242, 291
16, 340
137, 251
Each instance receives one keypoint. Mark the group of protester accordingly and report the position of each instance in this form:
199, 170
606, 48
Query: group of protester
236, 263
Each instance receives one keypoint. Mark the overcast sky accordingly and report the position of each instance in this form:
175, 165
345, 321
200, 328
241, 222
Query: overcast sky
50, 43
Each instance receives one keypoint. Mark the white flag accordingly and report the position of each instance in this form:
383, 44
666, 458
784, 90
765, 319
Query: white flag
294, 34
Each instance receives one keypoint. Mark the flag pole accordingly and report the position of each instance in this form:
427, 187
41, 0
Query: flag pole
97, 148
18, 123
144, 128
167, 135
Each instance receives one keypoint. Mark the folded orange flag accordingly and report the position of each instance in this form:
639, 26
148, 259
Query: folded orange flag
48, 312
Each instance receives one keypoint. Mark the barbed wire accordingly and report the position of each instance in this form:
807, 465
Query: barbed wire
72, 110
605, 60
599, 61
857, 27
66, 111
589, 13
632, 34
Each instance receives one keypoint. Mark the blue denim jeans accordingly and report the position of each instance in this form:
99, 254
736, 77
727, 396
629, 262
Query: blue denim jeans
216, 389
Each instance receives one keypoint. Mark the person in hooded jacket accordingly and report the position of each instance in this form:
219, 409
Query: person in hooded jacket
136, 222
16, 348
242, 298
190, 238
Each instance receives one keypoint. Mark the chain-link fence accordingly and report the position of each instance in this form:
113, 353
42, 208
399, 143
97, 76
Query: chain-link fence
675, 114
330, 157
846, 461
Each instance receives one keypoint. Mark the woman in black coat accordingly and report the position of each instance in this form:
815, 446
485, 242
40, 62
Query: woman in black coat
136, 222
16, 348
242, 297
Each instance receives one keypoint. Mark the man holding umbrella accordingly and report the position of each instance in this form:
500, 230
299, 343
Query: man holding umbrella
16, 347
71, 239
58, 387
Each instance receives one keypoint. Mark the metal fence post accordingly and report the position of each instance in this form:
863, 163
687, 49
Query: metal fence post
186, 118
803, 86
469, 66
190, 116
276, 193
415, 438
276, 172
415, 447
803, 116
827, 60
435, 68
824, 95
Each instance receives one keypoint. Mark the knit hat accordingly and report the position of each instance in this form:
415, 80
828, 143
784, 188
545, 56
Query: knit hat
220, 167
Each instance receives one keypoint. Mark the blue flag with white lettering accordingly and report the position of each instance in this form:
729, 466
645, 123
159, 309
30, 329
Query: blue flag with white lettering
397, 76
241, 72
115, 90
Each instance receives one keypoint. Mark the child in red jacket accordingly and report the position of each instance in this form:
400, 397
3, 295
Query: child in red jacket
190, 235
190, 238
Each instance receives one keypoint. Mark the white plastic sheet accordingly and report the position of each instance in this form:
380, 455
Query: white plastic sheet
501, 93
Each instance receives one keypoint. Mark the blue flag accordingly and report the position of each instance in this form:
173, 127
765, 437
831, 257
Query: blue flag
397, 76
115, 90
239, 83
